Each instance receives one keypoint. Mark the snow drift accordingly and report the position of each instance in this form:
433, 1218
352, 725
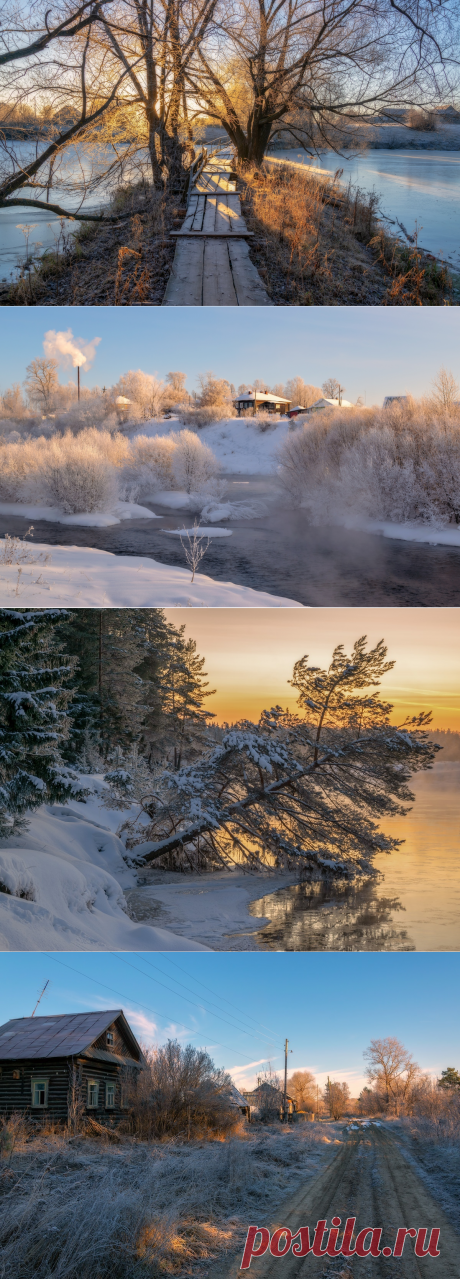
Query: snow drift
61, 888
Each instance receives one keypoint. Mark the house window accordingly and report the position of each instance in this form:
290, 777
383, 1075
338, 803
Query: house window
39, 1093
109, 1096
109, 1036
93, 1094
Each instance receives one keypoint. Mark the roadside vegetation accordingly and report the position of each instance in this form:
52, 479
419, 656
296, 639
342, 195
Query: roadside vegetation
318, 243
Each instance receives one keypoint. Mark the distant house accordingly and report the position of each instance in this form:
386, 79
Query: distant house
239, 1101
48, 1065
324, 403
266, 1102
261, 400
395, 399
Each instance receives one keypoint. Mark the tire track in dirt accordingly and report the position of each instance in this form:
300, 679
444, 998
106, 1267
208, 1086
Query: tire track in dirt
369, 1179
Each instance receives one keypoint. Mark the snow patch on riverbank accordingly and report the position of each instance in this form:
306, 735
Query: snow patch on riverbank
212, 908
80, 575
89, 519
435, 536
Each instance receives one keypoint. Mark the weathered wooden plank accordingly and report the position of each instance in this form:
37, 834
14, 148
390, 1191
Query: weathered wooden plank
185, 284
209, 220
222, 222
191, 210
218, 286
195, 235
199, 213
246, 279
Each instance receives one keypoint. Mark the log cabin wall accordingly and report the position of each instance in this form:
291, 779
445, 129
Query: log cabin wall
61, 1075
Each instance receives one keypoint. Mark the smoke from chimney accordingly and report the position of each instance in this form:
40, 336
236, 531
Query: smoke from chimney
69, 350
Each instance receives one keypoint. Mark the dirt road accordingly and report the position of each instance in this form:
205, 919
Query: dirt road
369, 1179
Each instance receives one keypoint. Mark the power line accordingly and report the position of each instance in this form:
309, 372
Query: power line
241, 1029
138, 1002
213, 992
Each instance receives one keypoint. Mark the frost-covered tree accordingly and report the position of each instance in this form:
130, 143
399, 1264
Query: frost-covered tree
300, 392
331, 388
446, 391
34, 722
179, 729
42, 382
307, 790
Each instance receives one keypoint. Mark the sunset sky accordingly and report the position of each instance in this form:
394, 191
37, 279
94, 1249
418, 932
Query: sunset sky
250, 654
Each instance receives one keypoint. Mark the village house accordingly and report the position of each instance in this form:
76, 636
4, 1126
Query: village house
266, 1102
255, 400
52, 1066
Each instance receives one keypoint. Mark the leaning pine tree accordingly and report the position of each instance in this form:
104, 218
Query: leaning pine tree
33, 716
306, 790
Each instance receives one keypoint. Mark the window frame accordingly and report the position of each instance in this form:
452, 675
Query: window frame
110, 1086
38, 1081
109, 1037
92, 1083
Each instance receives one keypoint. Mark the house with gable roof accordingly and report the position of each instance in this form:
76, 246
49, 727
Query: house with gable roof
47, 1064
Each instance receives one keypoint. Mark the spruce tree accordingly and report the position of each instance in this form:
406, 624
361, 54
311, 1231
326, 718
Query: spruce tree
34, 722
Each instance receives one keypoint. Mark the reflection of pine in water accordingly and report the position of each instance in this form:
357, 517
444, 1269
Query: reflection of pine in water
330, 917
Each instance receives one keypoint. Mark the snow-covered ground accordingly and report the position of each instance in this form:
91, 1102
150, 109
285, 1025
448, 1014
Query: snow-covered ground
212, 908
434, 535
90, 519
81, 575
239, 444
67, 883
62, 886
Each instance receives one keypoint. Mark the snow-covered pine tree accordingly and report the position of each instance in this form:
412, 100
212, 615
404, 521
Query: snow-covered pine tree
34, 723
306, 791
180, 729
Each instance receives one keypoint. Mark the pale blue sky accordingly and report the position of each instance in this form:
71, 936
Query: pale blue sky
328, 1005
373, 351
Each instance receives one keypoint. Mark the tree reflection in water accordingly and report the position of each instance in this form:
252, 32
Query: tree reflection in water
330, 917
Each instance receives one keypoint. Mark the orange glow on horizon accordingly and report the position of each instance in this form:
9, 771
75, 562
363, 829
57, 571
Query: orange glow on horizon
250, 654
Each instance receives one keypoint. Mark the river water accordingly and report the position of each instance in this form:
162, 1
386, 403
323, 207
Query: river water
282, 553
415, 187
413, 905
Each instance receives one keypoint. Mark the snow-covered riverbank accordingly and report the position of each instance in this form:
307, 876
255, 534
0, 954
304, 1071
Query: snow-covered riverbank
68, 883
81, 575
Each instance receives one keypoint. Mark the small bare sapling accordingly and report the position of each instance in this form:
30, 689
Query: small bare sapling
194, 546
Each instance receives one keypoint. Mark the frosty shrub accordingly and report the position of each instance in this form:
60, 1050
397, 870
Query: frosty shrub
77, 474
401, 463
266, 422
150, 466
194, 464
92, 411
18, 462
206, 415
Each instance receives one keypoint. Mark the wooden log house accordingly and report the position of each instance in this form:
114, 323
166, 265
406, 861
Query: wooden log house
52, 1067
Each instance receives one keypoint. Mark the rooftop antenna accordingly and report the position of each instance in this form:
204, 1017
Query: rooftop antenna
40, 997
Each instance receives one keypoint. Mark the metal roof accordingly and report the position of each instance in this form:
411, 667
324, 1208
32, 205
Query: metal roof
65, 1035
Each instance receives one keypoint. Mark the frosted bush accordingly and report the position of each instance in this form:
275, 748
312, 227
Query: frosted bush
400, 464
194, 464
206, 416
18, 462
266, 422
75, 476
150, 466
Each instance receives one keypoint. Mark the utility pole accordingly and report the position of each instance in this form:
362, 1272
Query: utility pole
40, 997
341, 389
286, 1050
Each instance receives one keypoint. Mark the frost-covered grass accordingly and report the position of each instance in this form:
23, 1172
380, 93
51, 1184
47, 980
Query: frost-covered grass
93, 470
77, 1208
400, 464
433, 1145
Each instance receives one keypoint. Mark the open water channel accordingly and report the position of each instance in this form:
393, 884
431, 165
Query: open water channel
282, 553
414, 904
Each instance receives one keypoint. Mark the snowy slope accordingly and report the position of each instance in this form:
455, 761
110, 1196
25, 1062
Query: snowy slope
80, 575
241, 447
62, 886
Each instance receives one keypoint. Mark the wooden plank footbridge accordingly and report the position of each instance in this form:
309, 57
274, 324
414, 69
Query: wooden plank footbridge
211, 265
